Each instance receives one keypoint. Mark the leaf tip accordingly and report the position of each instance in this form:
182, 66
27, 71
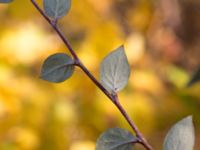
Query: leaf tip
188, 119
121, 48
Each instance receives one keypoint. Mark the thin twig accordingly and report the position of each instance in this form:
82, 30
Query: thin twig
139, 135
112, 97
53, 24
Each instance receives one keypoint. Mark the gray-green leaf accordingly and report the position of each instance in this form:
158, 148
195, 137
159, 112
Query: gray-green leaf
116, 139
5, 1
115, 70
56, 8
57, 68
180, 136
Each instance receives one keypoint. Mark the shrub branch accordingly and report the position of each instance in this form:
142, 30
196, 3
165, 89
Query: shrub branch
112, 97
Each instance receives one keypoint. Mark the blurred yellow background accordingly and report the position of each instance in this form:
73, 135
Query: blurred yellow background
162, 44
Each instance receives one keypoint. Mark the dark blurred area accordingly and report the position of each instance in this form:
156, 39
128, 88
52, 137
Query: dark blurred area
162, 41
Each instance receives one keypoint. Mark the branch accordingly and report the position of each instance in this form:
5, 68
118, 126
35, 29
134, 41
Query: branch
53, 24
113, 98
139, 135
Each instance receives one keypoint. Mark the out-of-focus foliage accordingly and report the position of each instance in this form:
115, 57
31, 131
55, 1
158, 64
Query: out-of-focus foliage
161, 39
195, 78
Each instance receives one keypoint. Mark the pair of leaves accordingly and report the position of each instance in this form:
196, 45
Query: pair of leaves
180, 136
114, 72
56, 8
57, 67
116, 139
5, 1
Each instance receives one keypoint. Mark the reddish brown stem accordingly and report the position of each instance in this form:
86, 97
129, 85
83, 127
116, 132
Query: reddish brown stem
112, 97
139, 135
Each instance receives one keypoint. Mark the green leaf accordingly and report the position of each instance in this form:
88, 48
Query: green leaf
116, 139
56, 8
57, 68
5, 1
180, 136
195, 78
115, 70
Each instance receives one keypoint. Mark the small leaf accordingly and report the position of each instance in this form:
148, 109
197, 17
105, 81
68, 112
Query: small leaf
180, 136
116, 139
57, 68
5, 1
195, 78
56, 8
115, 70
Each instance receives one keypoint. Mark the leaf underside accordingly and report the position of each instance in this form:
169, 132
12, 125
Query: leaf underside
115, 70
180, 136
